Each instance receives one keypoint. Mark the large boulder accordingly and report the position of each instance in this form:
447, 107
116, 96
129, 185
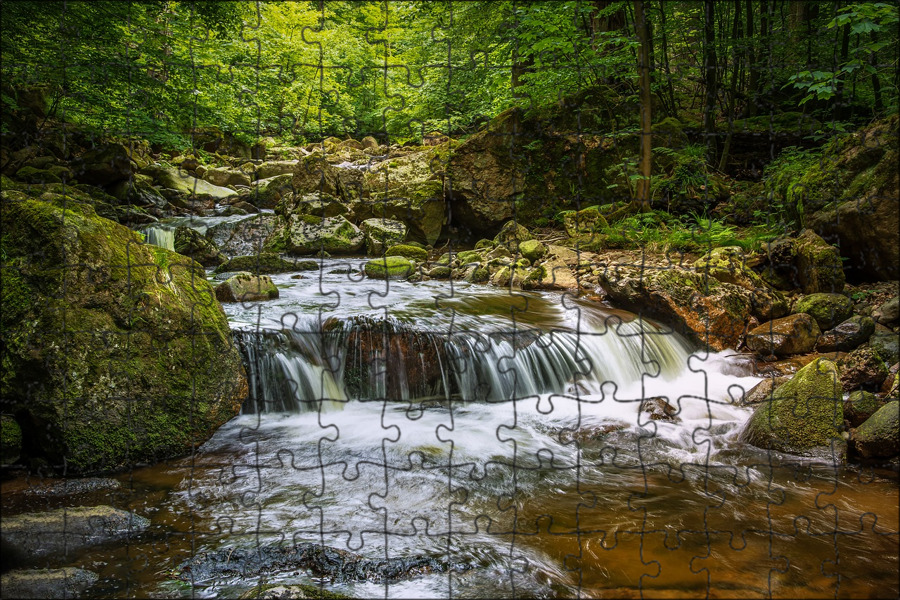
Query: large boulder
267, 193
862, 368
805, 415
389, 267
41, 584
182, 182
270, 169
886, 345
793, 334
588, 221
115, 352
728, 264
879, 436
382, 234
266, 263
859, 406
192, 244
511, 235
307, 234
313, 174
225, 177
103, 165
705, 309
243, 237
846, 336
819, 265
420, 206
827, 309
138, 192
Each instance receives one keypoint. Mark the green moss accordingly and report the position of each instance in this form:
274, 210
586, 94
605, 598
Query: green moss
827, 309
407, 251
10, 439
469, 256
390, 267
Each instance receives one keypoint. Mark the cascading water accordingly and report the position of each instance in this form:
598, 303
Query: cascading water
162, 236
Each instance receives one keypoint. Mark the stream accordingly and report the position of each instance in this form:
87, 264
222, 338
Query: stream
504, 433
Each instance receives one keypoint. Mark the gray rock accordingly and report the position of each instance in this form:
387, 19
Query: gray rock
69, 529
886, 345
889, 312
850, 334
879, 436
46, 583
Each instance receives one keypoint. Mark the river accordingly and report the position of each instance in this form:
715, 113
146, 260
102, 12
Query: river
504, 432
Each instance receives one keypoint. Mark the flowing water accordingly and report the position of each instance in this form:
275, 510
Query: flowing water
509, 433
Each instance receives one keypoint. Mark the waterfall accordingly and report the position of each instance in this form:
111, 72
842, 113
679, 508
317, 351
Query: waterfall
362, 358
164, 237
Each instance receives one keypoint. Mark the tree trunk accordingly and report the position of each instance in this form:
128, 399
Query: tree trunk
710, 76
670, 89
642, 195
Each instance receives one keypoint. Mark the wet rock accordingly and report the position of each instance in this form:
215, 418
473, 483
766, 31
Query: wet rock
763, 391
850, 334
246, 287
439, 272
886, 345
266, 263
389, 267
862, 368
827, 309
889, 312
659, 409
860, 406
794, 334
307, 234
728, 264
411, 252
69, 529
382, 234
321, 561
189, 242
138, 192
294, 591
819, 265
511, 235
419, 205
244, 237
47, 583
68, 487
879, 435
73, 335
805, 415
267, 193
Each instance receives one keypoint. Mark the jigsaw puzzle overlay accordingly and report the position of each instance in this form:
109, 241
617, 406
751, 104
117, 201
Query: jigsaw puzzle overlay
450, 299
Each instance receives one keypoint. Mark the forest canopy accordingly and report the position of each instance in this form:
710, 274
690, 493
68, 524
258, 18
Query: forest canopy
299, 71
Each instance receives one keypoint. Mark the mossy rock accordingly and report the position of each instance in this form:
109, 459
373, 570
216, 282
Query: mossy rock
860, 406
37, 176
382, 234
246, 287
440, 272
479, 275
862, 368
389, 267
266, 263
511, 235
10, 440
886, 345
879, 435
469, 257
308, 234
407, 251
123, 316
484, 244
293, 591
819, 264
805, 415
827, 309
193, 244
532, 250
585, 221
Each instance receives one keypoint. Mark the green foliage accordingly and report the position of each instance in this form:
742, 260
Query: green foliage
783, 185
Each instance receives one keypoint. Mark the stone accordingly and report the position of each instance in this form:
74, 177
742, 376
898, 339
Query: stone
39, 584
243, 237
862, 368
382, 234
533, 250
138, 193
189, 242
794, 334
267, 193
586, 221
246, 287
419, 205
389, 267
819, 265
266, 263
511, 234
68, 529
886, 346
827, 309
270, 169
410, 252
659, 409
762, 391
848, 335
439, 272
133, 317
888, 313
860, 406
369, 143
226, 177
307, 234
728, 264
37, 176
879, 435
104, 165
804, 417
186, 185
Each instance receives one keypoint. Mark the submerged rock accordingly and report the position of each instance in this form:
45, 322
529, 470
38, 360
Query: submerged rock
67, 582
69, 529
321, 561
246, 287
123, 316
805, 415
266, 263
